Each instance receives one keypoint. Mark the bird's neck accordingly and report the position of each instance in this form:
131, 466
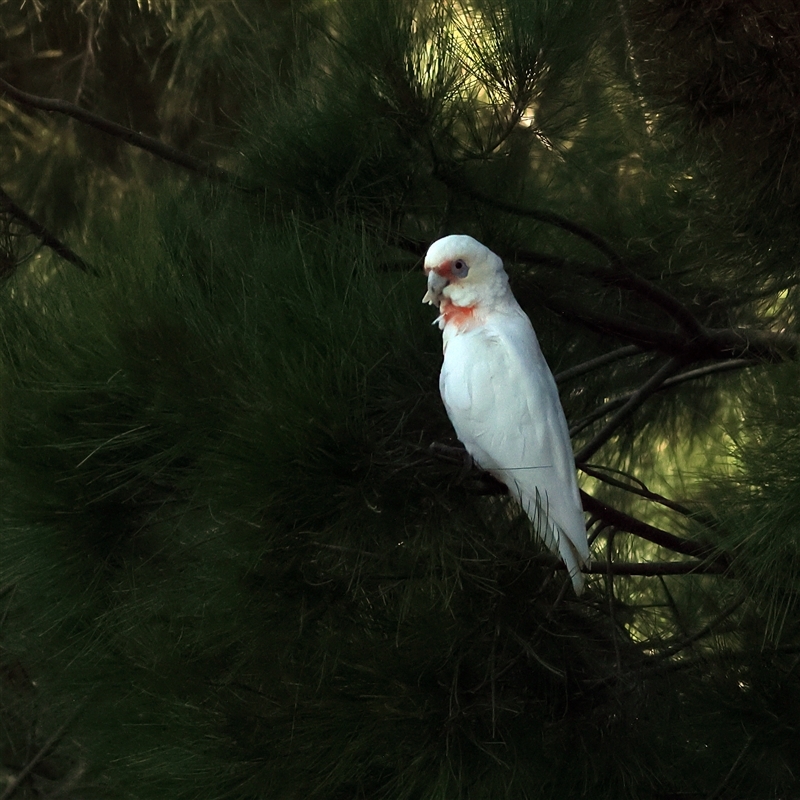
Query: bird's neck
465, 307
460, 317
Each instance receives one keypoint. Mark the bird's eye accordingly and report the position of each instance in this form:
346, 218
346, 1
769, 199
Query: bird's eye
460, 268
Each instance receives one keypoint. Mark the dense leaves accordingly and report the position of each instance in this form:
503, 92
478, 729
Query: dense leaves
232, 564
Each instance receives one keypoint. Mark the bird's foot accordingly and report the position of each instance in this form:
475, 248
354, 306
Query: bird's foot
456, 455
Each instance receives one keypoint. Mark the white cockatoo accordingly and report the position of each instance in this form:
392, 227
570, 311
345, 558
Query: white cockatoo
500, 394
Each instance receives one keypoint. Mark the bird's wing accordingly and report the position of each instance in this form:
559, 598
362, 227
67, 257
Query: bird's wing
503, 403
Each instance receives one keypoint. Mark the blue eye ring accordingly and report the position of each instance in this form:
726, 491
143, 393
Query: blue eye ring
460, 268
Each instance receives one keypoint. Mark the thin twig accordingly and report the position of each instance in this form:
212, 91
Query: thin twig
710, 369
637, 399
704, 659
548, 217
677, 615
8, 206
683, 377
724, 782
661, 663
706, 629
18, 779
609, 575
597, 472
595, 363
11, 590
147, 143
88, 54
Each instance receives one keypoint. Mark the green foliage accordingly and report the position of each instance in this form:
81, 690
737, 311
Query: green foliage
762, 528
231, 564
217, 505
729, 71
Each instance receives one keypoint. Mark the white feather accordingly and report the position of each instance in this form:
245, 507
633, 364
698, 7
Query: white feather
503, 402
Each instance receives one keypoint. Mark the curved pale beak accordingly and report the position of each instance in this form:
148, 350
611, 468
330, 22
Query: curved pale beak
436, 285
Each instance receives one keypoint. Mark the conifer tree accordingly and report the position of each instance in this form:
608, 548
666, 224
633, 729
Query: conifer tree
239, 556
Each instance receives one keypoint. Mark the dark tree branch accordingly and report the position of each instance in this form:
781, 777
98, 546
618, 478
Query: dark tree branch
615, 273
618, 275
641, 491
8, 206
548, 217
697, 341
624, 522
18, 779
705, 630
683, 377
716, 343
719, 656
610, 516
645, 337
595, 363
634, 402
751, 344
710, 369
644, 568
147, 143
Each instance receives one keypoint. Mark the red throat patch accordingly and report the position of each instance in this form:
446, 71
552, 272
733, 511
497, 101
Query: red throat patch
463, 317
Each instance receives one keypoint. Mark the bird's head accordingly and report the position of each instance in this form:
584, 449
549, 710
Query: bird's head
463, 273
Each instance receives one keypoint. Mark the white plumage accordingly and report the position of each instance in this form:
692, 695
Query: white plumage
500, 394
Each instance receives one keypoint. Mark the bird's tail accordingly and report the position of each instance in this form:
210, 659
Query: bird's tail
555, 537
573, 560
558, 540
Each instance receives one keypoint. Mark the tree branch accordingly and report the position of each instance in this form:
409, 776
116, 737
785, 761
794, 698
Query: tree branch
644, 336
683, 377
752, 344
716, 343
609, 515
634, 402
615, 273
695, 343
548, 217
643, 568
624, 522
595, 363
710, 369
147, 143
618, 275
597, 473
17, 780
8, 206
